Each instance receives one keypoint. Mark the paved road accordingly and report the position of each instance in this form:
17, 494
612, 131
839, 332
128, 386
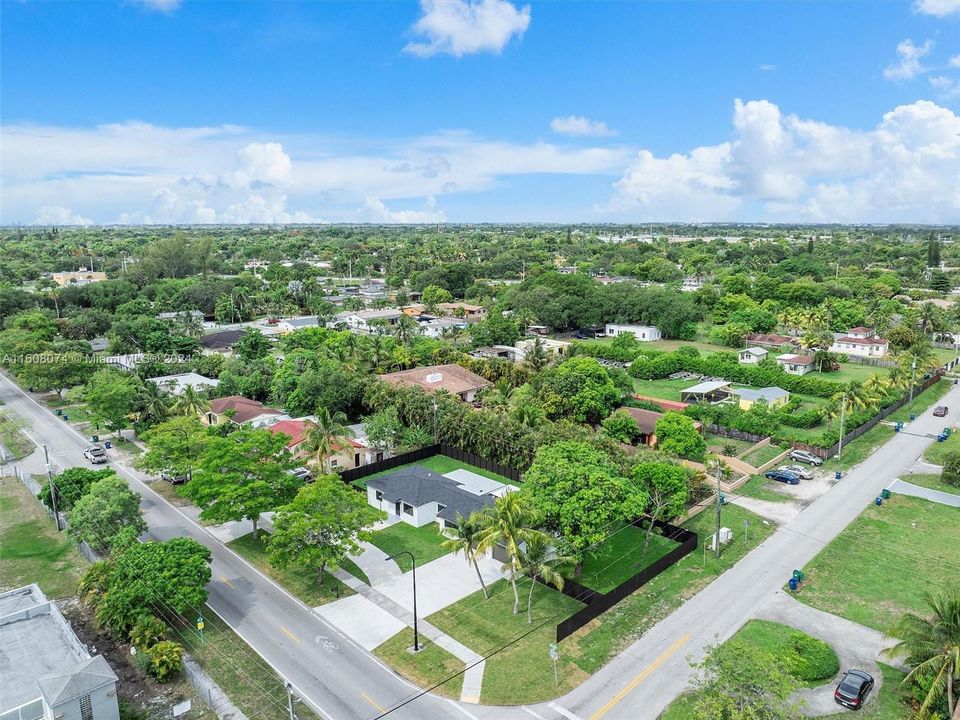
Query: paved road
345, 683
637, 684
938, 496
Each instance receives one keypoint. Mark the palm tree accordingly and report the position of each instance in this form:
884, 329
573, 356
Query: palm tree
406, 329
466, 533
241, 298
541, 560
529, 415
932, 649
190, 402
854, 396
326, 434
537, 357
154, 405
510, 524
930, 318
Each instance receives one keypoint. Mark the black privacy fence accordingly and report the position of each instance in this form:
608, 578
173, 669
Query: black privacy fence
429, 451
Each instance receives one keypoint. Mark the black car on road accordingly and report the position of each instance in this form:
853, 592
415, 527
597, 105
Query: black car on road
853, 689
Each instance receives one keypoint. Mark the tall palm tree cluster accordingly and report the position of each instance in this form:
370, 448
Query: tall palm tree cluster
512, 525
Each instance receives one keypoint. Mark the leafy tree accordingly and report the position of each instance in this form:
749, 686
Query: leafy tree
166, 660
107, 508
940, 281
252, 345
932, 648
147, 631
59, 366
433, 295
464, 537
739, 681
579, 389
950, 473
666, 488
496, 329
110, 396
621, 427
324, 523
678, 435
174, 446
933, 252
242, 475
540, 560
71, 485
580, 492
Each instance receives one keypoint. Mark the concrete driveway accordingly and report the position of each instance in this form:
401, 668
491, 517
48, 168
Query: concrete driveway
856, 646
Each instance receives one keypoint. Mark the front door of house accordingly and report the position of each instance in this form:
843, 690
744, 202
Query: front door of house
397, 508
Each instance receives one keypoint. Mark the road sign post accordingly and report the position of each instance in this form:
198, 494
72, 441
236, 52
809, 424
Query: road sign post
200, 627
554, 655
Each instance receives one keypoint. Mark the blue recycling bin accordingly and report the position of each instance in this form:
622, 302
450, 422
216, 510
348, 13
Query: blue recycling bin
878, 501
107, 444
793, 584
836, 475
912, 417
65, 417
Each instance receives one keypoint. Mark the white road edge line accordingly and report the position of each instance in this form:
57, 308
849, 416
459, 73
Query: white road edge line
531, 712
563, 711
463, 710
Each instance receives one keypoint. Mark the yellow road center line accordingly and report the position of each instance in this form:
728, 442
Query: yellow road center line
371, 701
681, 641
289, 634
228, 583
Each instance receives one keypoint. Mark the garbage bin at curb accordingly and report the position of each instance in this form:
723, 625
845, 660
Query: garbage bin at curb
107, 444
885, 494
836, 475
878, 501
798, 575
793, 584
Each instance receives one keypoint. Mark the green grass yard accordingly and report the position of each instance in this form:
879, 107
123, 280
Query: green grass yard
762, 455
620, 557
423, 542
774, 638
760, 488
718, 442
433, 667
300, 582
32, 549
932, 481
883, 562
12, 438
938, 451
662, 389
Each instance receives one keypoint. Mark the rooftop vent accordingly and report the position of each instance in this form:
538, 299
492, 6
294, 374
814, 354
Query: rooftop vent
435, 377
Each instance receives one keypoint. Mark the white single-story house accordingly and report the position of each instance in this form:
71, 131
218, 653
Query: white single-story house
289, 325
368, 321
435, 327
419, 496
860, 341
795, 364
177, 384
752, 355
551, 346
645, 333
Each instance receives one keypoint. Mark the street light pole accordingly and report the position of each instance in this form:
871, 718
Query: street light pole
416, 632
53, 488
913, 372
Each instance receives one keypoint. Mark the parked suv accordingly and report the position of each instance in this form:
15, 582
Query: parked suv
853, 689
806, 457
96, 454
173, 478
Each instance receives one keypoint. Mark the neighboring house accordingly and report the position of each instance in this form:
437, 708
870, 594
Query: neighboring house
289, 325
860, 341
567, 270
691, 284
220, 342
795, 364
552, 347
181, 314
419, 496
77, 277
127, 363
537, 329
45, 671
368, 321
414, 310
351, 454
770, 340
178, 384
245, 412
752, 355
470, 313
708, 391
647, 422
435, 327
454, 379
645, 333
99, 344
373, 291
774, 397
493, 352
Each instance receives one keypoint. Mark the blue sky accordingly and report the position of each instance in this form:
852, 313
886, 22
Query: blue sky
468, 110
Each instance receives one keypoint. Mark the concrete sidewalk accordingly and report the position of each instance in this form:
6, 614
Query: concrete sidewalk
938, 496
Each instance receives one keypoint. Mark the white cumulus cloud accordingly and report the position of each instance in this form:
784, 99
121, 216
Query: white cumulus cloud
908, 64
164, 6
938, 8
56, 215
788, 168
465, 27
579, 125
375, 210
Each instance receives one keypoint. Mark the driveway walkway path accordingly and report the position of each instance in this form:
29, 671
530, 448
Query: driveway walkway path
938, 496
856, 646
373, 561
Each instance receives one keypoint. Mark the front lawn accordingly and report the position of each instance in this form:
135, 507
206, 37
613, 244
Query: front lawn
620, 557
884, 561
430, 666
423, 542
298, 581
938, 451
763, 455
716, 443
663, 389
520, 672
32, 549
761, 488
810, 661
931, 481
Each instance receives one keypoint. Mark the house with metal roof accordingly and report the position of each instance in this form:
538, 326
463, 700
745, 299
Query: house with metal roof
752, 355
774, 397
707, 391
45, 671
178, 384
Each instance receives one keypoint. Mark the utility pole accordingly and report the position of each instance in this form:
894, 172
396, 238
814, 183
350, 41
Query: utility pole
843, 407
913, 372
290, 702
53, 488
716, 540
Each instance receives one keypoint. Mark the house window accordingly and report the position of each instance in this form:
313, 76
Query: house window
379, 495
408, 509
333, 463
86, 708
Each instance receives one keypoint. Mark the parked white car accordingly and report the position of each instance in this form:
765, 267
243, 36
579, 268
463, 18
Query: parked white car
798, 470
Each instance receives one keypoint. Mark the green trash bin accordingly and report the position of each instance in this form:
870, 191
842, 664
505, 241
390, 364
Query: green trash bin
885, 494
798, 575
96, 438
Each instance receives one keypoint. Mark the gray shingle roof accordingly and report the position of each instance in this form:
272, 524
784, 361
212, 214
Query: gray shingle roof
80, 680
417, 485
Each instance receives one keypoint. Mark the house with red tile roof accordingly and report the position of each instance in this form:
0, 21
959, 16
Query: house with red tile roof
241, 411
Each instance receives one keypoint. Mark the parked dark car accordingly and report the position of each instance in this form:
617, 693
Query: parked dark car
173, 478
853, 689
783, 476
96, 454
807, 457
941, 411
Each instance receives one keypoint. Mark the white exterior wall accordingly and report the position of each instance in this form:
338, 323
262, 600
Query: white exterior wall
423, 515
644, 333
103, 703
848, 348
749, 359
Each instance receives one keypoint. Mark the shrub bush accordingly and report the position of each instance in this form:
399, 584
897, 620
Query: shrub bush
951, 469
810, 659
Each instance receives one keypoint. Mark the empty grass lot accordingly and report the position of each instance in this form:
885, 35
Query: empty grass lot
521, 672
716, 443
761, 488
883, 562
423, 542
31, 548
763, 455
298, 581
931, 481
620, 557
432, 665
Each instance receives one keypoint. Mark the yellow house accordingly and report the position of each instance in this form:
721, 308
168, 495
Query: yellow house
774, 397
